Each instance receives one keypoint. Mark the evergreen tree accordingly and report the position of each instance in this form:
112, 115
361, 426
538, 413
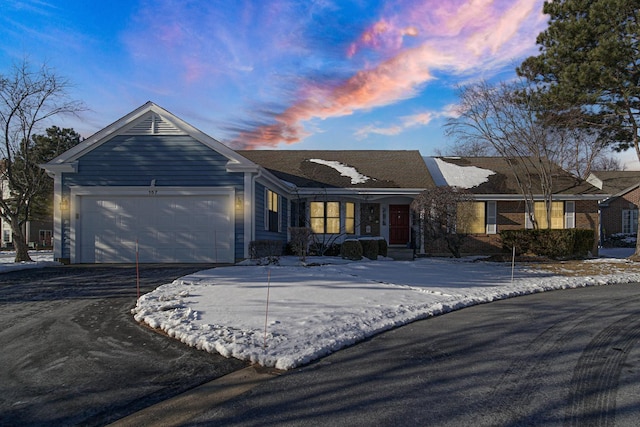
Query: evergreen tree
27, 172
588, 68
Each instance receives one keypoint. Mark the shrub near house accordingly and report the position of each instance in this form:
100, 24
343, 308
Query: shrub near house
498, 204
549, 243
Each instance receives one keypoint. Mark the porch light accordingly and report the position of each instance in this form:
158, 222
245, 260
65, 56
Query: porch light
64, 204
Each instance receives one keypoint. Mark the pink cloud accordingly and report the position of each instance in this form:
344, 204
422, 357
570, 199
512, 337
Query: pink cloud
407, 122
459, 37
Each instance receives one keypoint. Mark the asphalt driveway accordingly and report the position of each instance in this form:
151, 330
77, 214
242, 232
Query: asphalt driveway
561, 358
72, 353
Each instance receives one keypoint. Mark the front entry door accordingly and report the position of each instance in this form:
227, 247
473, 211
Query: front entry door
399, 226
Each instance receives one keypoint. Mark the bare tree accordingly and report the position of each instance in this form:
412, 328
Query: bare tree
504, 117
467, 148
507, 119
29, 99
445, 214
608, 163
577, 149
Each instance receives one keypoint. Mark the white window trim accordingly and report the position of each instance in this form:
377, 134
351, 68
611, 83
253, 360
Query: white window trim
628, 216
266, 210
492, 217
569, 214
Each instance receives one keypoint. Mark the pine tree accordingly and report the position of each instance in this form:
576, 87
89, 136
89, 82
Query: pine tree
588, 68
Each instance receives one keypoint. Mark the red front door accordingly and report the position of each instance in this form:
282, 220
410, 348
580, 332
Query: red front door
399, 225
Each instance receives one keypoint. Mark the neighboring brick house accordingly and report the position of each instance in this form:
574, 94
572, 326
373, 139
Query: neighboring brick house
501, 206
619, 210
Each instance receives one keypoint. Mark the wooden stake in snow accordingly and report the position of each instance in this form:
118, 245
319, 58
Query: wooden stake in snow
513, 263
266, 314
137, 271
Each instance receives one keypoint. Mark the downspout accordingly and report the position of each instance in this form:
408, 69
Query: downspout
249, 210
58, 230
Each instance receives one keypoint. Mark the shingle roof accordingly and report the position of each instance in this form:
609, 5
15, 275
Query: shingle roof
614, 182
503, 180
345, 168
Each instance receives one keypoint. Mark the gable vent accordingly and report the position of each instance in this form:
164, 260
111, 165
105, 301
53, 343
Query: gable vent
153, 124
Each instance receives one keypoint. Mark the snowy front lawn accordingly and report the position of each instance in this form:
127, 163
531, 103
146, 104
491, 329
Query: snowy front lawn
40, 259
288, 315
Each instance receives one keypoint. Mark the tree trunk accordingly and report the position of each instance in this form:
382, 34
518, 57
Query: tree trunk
19, 242
636, 255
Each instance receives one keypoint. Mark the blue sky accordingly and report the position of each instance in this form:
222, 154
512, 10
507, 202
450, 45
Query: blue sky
298, 74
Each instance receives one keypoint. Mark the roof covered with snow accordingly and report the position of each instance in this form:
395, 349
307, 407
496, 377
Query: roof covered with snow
345, 168
495, 175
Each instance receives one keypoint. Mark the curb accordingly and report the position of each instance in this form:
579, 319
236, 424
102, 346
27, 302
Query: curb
190, 404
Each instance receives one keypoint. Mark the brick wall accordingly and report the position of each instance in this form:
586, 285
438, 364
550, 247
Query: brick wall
612, 214
511, 216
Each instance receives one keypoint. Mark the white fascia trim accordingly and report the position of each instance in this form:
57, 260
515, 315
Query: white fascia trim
60, 168
268, 180
101, 136
249, 213
360, 191
146, 191
234, 166
536, 197
58, 241
126, 122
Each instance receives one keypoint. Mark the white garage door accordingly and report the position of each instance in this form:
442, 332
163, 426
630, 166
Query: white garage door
170, 229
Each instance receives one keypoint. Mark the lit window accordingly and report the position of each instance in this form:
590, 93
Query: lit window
557, 214
471, 218
349, 218
272, 217
325, 217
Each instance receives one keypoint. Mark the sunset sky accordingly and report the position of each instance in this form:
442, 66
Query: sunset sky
316, 74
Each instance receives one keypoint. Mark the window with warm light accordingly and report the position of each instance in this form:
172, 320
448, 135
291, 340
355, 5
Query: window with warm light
557, 214
350, 218
325, 217
477, 217
272, 222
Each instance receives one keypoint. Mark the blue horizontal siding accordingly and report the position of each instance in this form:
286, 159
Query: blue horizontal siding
261, 233
170, 160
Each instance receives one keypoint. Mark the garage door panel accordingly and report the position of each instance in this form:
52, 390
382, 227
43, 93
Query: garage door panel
168, 229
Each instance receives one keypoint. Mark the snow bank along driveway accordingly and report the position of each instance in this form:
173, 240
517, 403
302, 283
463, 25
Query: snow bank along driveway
288, 315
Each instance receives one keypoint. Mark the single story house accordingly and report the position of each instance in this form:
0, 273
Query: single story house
151, 187
500, 205
619, 209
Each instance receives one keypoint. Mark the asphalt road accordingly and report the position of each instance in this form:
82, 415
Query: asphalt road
71, 353
563, 358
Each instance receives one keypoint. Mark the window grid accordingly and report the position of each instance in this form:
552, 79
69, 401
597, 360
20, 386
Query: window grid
629, 221
273, 215
325, 217
557, 214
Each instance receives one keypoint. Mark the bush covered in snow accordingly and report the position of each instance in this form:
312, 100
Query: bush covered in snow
620, 240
